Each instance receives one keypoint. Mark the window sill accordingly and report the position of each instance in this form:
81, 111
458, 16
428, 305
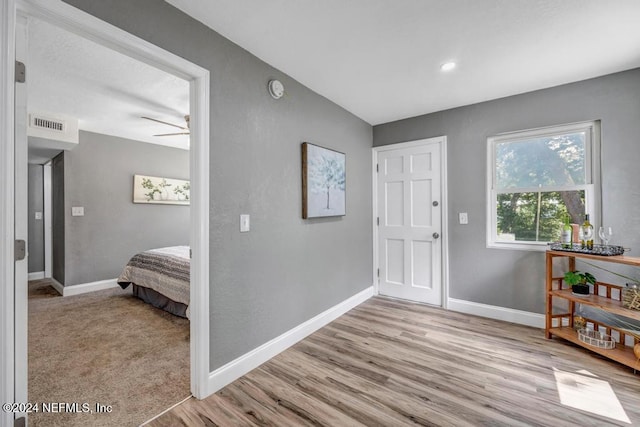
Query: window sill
519, 246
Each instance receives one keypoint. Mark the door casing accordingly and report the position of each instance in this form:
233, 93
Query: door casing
65, 16
442, 140
7, 196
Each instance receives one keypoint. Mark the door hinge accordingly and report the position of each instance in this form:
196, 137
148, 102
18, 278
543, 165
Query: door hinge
378, 221
20, 422
378, 272
21, 72
20, 250
377, 167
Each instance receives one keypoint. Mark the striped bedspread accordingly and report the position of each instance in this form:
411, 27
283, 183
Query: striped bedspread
165, 270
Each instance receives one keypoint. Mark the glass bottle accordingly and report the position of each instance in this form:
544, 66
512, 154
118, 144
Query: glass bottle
587, 233
566, 236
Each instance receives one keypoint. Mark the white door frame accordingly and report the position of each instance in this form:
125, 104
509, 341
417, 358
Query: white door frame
90, 27
7, 235
442, 140
48, 219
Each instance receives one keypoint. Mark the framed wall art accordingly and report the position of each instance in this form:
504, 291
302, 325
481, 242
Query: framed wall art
323, 182
167, 191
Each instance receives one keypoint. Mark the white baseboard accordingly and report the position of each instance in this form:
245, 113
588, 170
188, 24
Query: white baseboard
256, 357
36, 275
57, 286
88, 287
499, 313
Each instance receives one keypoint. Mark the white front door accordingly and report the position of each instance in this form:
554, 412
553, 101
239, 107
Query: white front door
409, 205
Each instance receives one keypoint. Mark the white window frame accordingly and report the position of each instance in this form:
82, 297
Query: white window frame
592, 186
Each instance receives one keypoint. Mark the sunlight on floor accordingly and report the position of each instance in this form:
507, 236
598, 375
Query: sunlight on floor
583, 390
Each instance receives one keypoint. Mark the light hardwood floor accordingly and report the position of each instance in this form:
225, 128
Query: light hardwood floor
392, 363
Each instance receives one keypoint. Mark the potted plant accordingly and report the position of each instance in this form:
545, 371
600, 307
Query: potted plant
579, 281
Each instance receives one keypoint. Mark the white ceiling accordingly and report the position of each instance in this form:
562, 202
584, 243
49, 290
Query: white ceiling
106, 91
379, 59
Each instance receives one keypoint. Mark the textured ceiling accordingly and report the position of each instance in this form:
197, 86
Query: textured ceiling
380, 59
106, 91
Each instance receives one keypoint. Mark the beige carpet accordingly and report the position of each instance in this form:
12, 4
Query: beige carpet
105, 347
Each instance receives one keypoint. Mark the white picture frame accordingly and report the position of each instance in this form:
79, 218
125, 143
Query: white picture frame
324, 182
159, 190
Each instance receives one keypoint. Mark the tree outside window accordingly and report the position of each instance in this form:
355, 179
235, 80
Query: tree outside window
538, 178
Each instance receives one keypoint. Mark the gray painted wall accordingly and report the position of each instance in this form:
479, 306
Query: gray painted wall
515, 279
99, 177
286, 270
36, 226
57, 218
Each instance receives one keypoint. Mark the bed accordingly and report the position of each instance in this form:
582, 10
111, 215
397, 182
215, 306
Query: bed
161, 278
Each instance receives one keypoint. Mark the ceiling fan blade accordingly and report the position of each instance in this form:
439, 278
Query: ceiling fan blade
173, 134
165, 123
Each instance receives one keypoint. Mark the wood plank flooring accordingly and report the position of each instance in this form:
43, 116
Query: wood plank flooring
393, 363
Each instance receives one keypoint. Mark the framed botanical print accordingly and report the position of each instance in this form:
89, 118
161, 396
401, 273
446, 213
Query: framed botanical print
167, 191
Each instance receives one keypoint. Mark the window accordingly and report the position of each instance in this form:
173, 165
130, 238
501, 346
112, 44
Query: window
536, 178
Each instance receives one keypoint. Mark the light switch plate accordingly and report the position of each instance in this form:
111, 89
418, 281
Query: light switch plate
463, 217
38, 215
77, 211
245, 223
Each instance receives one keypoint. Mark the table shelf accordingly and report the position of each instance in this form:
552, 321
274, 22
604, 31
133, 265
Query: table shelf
621, 353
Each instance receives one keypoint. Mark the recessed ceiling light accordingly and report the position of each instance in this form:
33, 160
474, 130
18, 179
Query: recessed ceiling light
448, 66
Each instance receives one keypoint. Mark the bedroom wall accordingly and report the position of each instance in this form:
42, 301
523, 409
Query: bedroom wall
36, 226
286, 270
515, 279
99, 177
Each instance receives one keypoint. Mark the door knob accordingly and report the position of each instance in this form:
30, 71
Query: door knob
436, 235
435, 203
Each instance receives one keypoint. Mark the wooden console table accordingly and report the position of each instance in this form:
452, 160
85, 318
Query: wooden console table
606, 297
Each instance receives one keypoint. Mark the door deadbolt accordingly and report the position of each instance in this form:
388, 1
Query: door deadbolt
436, 235
435, 203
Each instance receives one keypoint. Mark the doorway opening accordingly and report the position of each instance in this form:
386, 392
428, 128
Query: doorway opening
71, 19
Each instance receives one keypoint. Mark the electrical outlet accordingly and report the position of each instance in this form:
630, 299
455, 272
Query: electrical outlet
77, 211
463, 218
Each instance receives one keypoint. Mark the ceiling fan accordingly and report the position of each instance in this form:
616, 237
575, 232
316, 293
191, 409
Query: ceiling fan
185, 129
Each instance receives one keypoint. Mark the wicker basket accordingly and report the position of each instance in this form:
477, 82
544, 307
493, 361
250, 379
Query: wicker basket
631, 297
596, 339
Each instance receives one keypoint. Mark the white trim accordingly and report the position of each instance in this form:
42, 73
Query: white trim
374, 220
21, 222
87, 26
85, 288
444, 202
592, 188
67, 17
499, 313
59, 287
444, 222
199, 234
251, 360
166, 410
48, 219
36, 275
7, 320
